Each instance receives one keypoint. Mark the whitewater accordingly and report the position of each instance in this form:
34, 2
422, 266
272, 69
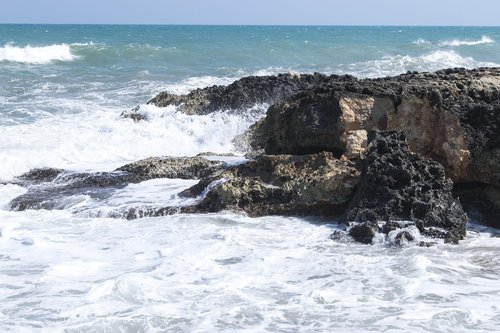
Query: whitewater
80, 268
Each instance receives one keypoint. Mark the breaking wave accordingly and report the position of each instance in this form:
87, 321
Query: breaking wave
458, 42
394, 65
421, 41
36, 55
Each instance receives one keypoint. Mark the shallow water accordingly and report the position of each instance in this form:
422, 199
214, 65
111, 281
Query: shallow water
75, 269
227, 272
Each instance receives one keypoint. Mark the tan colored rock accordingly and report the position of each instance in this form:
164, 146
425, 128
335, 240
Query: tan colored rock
433, 132
317, 184
355, 112
355, 142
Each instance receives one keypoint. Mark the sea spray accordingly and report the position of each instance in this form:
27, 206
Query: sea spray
36, 55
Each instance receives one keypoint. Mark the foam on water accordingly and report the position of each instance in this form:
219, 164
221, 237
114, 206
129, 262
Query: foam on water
37, 55
228, 272
102, 139
394, 65
421, 41
458, 42
151, 194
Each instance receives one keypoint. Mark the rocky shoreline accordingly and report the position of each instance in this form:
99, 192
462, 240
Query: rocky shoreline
414, 153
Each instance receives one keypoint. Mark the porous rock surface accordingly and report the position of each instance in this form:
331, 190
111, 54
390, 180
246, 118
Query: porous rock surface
317, 184
451, 116
241, 94
400, 186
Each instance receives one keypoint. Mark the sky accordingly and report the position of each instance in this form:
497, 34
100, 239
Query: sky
260, 12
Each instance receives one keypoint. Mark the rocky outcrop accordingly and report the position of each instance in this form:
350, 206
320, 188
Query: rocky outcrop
180, 167
400, 186
240, 95
381, 152
480, 201
317, 184
58, 184
451, 116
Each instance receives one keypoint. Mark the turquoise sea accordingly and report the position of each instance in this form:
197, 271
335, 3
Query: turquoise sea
76, 269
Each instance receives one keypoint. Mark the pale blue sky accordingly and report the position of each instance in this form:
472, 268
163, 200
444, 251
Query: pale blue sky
320, 12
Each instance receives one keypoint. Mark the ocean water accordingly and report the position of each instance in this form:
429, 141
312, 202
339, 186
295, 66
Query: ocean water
77, 269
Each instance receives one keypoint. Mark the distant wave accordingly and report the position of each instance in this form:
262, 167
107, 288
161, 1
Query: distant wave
458, 42
37, 55
421, 41
394, 65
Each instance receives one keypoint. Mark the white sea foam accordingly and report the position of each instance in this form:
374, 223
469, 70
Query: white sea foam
155, 193
227, 272
196, 82
458, 42
37, 55
421, 41
102, 139
394, 65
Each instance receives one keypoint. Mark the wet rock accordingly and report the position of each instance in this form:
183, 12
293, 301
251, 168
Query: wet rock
398, 185
134, 114
364, 232
59, 185
317, 184
481, 202
180, 167
452, 117
240, 95
40, 175
403, 237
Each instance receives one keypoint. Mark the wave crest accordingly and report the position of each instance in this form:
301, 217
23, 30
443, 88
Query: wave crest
458, 42
394, 65
421, 41
37, 55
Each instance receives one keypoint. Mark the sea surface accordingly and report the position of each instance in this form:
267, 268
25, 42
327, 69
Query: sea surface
76, 269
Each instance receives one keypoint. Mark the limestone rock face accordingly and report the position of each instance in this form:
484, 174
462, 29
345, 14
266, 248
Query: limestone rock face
450, 116
398, 185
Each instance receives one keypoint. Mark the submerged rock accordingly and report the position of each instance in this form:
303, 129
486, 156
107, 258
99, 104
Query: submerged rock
59, 185
398, 185
134, 114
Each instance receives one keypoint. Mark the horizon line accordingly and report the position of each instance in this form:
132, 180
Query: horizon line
257, 25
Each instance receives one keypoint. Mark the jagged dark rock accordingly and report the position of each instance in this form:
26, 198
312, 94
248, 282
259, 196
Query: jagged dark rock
241, 94
452, 117
134, 114
364, 232
398, 185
